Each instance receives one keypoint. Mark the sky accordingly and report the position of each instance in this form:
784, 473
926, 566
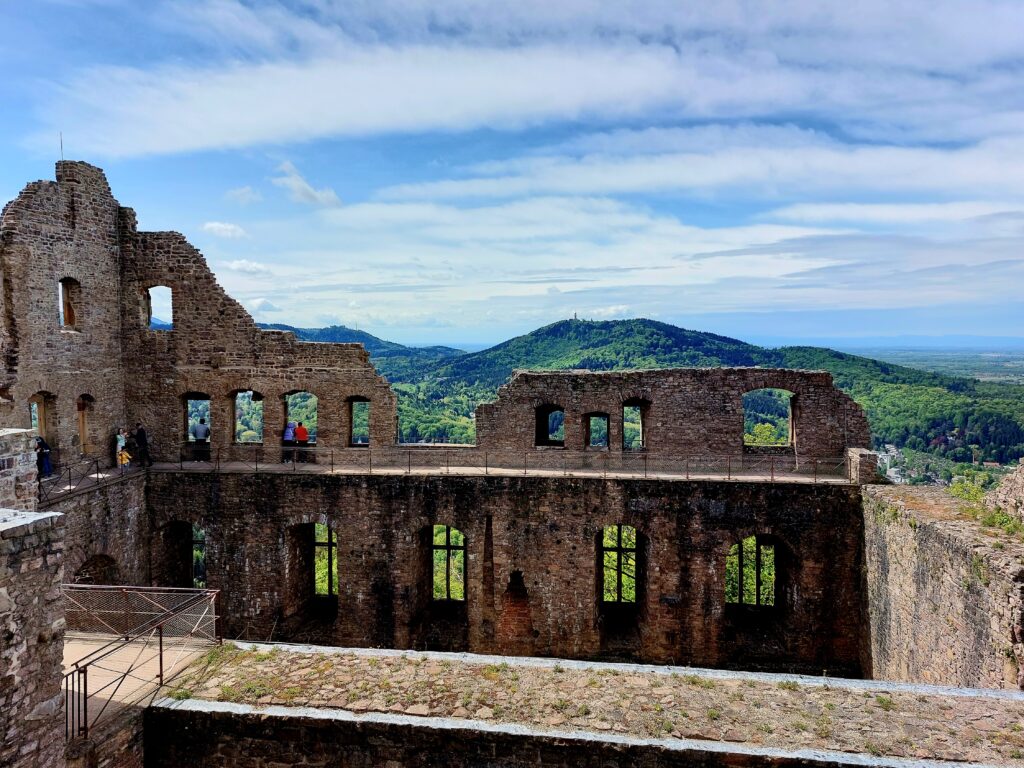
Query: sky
461, 172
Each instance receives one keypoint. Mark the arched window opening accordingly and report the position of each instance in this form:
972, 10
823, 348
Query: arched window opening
325, 561
634, 417
449, 560
69, 303
550, 426
248, 417
619, 560
84, 407
767, 417
158, 308
750, 573
196, 412
98, 569
595, 430
359, 422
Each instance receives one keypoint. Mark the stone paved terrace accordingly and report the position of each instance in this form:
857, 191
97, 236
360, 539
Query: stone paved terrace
761, 712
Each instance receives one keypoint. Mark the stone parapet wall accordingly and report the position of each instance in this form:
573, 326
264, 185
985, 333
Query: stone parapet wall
32, 634
945, 599
545, 529
18, 487
687, 411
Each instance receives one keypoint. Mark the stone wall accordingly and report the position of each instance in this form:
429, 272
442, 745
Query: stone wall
31, 639
18, 487
233, 736
107, 533
945, 598
536, 535
1009, 495
686, 412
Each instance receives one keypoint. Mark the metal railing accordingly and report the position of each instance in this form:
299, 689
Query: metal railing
143, 636
72, 477
545, 461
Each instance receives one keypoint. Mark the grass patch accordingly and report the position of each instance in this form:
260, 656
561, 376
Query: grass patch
789, 685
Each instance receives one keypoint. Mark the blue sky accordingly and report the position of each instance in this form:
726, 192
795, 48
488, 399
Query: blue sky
460, 172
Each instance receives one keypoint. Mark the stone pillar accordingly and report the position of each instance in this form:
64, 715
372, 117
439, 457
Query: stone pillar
18, 488
862, 465
32, 628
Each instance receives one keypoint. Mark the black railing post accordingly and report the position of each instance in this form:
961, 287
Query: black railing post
84, 693
160, 633
486, 463
815, 470
773, 469
408, 464
728, 470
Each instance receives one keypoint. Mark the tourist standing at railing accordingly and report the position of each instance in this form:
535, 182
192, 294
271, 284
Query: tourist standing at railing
201, 435
43, 465
302, 440
288, 441
123, 457
142, 443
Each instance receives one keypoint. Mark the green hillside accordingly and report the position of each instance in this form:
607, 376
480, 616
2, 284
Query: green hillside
950, 416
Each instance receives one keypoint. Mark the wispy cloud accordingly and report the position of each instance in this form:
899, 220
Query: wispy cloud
244, 195
224, 229
300, 190
247, 267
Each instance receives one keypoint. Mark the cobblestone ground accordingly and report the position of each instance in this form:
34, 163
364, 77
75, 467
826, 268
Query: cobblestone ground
783, 713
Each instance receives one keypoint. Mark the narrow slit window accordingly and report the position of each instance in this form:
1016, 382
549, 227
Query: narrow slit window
634, 415
449, 563
618, 557
750, 573
359, 429
325, 561
198, 557
69, 302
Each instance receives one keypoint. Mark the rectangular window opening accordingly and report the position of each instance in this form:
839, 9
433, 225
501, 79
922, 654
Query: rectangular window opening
325, 561
360, 430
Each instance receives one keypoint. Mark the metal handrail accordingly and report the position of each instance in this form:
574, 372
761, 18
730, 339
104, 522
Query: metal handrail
71, 477
77, 690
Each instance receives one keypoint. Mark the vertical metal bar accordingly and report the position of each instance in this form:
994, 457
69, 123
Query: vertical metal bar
526, 458
757, 572
408, 467
369, 460
773, 469
739, 574
160, 633
84, 693
687, 467
448, 562
447, 463
815, 470
486, 463
332, 460
645, 466
729, 468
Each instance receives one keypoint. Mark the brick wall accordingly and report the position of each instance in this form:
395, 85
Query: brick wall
945, 599
32, 634
547, 530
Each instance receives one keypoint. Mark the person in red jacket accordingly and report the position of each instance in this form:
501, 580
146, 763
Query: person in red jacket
302, 440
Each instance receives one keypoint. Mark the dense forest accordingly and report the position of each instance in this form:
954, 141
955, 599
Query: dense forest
953, 417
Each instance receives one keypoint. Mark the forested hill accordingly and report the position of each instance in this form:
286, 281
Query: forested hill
439, 387
600, 346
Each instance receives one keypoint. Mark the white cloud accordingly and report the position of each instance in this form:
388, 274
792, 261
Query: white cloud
224, 229
300, 190
891, 213
247, 267
263, 305
244, 195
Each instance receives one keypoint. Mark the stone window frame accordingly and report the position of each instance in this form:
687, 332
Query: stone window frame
350, 403
84, 405
618, 551
587, 427
450, 550
644, 406
542, 425
762, 541
257, 397
146, 316
70, 302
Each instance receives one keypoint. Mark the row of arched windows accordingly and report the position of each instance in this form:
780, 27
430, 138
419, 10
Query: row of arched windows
300, 409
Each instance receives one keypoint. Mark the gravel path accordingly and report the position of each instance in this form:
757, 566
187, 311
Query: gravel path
757, 711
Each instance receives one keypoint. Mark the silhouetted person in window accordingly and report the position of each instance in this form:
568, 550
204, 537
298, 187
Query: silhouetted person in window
201, 435
142, 444
302, 439
43, 465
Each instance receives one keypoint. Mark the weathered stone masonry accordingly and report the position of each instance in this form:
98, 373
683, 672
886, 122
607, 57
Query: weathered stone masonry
546, 530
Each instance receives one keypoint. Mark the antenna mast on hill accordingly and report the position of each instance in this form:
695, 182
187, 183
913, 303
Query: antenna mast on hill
61, 134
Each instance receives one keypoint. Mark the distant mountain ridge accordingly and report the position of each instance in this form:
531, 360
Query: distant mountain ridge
439, 387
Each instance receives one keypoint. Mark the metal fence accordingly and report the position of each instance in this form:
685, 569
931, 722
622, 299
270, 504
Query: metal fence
81, 474
543, 461
135, 639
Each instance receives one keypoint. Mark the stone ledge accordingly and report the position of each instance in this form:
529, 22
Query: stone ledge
15, 523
